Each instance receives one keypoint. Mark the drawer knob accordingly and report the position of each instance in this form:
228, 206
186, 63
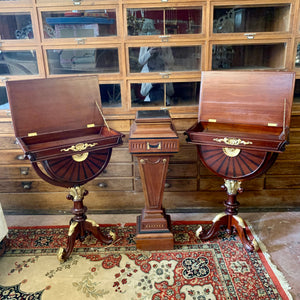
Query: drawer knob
24, 171
27, 185
167, 185
20, 157
102, 185
156, 146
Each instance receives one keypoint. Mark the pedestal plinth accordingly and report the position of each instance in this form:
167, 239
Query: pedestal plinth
152, 141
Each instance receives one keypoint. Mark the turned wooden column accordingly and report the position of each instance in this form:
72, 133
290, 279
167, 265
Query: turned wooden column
152, 141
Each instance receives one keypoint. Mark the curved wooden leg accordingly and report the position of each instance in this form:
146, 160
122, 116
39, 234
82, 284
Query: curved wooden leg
74, 231
230, 219
93, 228
80, 226
240, 227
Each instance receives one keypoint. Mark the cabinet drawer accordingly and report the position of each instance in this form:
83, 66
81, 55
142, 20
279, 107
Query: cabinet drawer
16, 156
283, 182
7, 128
120, 155
186, 154
172, 185
117, 170
8, 142
110, 184
28, 186
24, 172
38, 185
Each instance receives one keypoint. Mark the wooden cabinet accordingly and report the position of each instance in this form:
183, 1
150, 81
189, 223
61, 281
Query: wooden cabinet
147, 54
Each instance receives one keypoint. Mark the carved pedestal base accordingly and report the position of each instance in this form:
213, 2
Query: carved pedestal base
157, 236
80, 226
229, 219
153, 226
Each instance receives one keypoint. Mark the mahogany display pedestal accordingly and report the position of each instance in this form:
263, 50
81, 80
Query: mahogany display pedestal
243, 123
152, 141
61, 129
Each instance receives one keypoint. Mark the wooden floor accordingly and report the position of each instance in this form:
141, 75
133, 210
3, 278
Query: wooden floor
279, 232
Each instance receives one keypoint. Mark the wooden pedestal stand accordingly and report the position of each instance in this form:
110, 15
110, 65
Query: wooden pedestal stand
153, 226
152, 141
64, 134
80, 226
241, 140
230, 219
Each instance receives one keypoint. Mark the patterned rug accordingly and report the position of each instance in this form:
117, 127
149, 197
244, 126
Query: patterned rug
217, 269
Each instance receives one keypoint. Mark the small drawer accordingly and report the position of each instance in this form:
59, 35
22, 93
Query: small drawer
110, 184
186, 153
28, 186
8, 142
13, 157
24, 172
154, 145
117, 170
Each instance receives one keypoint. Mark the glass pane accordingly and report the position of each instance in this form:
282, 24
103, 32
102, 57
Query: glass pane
79, 23
3, 98
297, 59
70, 61
165, 94
15, 26
183, 21
270, 56
164, 21
160, 59
110, 95
18, 63
251, 19
297, 91
145, 21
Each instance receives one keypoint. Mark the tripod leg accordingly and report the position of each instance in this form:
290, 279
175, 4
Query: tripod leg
74, 230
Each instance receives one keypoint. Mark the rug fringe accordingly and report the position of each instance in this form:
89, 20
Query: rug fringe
284, 283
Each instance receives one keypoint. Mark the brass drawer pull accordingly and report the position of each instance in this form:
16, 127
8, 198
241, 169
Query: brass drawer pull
157, 146
20, 157
24, 170
27, 185
102, 185
76, 2
232, 141
79, 147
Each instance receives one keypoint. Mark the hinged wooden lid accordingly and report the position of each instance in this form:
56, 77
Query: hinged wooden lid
54, 104
246, 97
